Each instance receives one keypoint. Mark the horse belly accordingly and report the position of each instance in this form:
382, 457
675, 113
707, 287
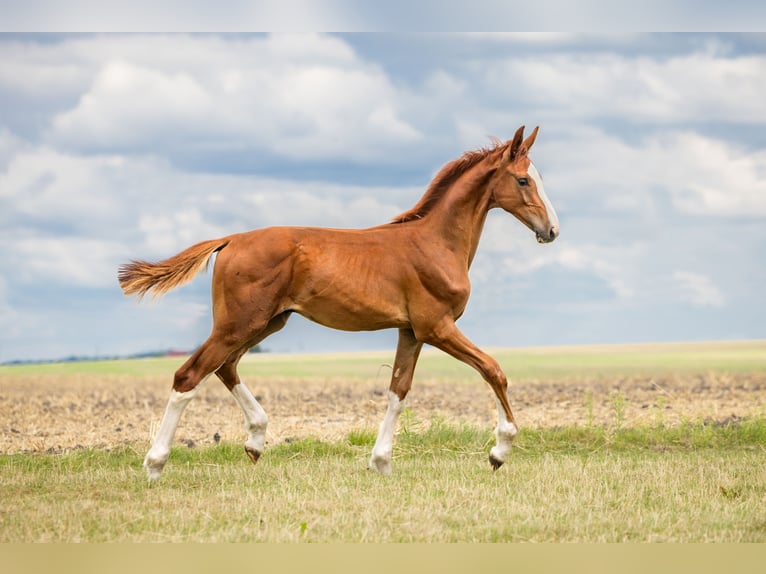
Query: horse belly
352, 293
344, 309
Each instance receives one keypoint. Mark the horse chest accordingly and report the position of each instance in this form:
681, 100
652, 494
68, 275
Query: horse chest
444, 285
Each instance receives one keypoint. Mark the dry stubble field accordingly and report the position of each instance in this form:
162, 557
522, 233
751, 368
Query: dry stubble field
50, 410
611, 449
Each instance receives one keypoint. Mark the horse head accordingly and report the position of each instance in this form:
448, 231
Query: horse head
517, 188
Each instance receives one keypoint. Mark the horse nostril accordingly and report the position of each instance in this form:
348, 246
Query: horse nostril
554, 232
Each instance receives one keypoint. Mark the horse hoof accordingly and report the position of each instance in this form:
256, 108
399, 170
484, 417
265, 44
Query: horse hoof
496, 463
154, 465
380, 465
253, 454
153, 473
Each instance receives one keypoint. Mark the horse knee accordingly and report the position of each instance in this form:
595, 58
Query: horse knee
494, 375
183, 381
400, 385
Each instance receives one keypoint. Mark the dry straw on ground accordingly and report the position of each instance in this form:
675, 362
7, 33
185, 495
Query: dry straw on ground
58, 413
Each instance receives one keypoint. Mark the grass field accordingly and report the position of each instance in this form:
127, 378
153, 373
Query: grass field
695, 483
522, 363
617, 443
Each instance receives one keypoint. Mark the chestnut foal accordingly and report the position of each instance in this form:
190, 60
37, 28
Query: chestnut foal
410, 274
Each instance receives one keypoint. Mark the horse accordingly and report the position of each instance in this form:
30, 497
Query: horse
409, 274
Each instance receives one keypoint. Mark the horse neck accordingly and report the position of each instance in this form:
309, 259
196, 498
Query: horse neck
460, 216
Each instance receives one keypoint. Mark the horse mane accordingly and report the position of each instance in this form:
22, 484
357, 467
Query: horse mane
447, 176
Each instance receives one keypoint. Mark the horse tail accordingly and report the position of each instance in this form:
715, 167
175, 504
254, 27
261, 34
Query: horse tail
140, 277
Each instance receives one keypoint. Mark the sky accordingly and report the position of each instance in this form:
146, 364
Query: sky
121, 146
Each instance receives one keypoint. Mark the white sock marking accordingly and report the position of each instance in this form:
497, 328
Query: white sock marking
384, 445
255, 417
158, 454
504, 435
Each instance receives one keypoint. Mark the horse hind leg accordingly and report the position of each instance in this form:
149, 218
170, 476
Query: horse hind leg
256, 419
158, 454
407, 352
185, 386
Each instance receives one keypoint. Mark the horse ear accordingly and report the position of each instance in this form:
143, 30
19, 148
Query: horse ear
525, 147
513, 149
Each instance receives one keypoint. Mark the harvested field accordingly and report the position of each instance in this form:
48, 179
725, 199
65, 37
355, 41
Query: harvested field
54, 413
660, 443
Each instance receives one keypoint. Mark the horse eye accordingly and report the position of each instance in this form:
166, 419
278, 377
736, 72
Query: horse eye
523, 181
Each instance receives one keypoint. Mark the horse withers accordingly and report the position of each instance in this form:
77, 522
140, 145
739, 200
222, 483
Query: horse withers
410, 274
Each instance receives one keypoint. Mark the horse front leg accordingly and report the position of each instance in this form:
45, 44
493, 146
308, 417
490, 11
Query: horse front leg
451, 340
407, 352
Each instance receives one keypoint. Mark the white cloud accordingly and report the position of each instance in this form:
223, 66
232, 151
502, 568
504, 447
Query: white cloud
700, 174
698, 290
611, 265
38, 70
128, 104
712, 177
171, 231
302, 96
10, 146
64, 260
118, 147
535, 38
313, 97
43, 184
509, 248
273, 202
687, 87
11, 320
71, 219
175, 312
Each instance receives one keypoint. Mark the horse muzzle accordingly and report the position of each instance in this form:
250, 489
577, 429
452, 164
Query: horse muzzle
549, 235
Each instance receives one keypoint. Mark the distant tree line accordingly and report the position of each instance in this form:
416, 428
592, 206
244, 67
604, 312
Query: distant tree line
143, 355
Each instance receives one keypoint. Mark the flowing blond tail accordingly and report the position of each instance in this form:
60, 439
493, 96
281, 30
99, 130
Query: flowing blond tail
140, 277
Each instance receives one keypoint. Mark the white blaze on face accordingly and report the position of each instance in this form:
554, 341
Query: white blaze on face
535, 175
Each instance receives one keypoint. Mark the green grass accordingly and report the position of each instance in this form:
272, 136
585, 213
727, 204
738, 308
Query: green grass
521, 363
695, 482
692, 482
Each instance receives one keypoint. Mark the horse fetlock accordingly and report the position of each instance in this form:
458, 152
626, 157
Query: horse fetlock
257, 429
154, 463
256, 443
380, 462
504, 433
